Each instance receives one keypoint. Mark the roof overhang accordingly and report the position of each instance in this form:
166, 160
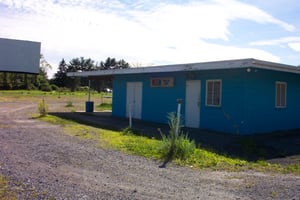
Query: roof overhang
217, 65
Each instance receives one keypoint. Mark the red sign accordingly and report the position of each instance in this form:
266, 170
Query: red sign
162, 82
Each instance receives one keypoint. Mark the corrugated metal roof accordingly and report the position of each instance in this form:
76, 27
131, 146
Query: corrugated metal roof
227, 64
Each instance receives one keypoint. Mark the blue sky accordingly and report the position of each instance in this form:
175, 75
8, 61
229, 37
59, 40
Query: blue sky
154, 32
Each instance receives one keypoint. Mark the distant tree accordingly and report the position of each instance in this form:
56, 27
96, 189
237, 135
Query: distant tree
60, 77
6, 81
82, 64
109, 64
122, 64
79, 65
112, 63
42, 81
44, 65
11, 80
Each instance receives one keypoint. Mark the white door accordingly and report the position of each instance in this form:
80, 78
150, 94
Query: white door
192, 103
134, 99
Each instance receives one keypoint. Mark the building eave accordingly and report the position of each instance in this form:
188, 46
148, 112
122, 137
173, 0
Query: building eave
217, 65
276, 66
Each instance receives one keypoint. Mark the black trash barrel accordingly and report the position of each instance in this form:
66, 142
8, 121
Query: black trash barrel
89, 106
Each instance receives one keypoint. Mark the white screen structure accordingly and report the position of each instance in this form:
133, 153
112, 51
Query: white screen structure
19, 56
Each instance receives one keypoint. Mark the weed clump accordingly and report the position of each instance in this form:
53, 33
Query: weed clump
105, 106
130, 131
175, 145
5, 191
43, 108
69, 104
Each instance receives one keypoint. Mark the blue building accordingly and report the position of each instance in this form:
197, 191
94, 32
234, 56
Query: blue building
245, 96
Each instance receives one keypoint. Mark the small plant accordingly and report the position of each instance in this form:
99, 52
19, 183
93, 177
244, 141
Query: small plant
176, 145
274, 194
130, 131
43, 108
105, 106
5, 190
69, 104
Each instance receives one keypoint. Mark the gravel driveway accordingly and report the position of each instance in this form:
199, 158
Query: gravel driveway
42, 162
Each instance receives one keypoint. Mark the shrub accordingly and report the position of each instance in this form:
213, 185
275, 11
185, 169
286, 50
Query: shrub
83, 89
31, 87
176, 146
64, 89
43, 108
105, 106
69, 104
54, 87
45, 87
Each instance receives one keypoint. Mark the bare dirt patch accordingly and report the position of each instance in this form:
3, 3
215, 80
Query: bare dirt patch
42, 162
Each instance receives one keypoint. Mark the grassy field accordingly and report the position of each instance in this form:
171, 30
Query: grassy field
65, 101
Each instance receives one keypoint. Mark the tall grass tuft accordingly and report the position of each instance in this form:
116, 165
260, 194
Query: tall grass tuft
69, 104
176, 146
43, 108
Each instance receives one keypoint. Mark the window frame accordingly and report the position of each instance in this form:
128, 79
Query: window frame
220, 93
279, 104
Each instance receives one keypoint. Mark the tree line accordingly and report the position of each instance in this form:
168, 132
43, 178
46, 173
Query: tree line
12, 80
60, 81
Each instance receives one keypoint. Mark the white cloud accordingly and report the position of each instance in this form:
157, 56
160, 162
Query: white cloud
163, 33
239, 10
295, 46
274, 42
291, 42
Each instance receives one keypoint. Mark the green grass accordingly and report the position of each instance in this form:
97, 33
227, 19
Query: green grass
177, 143
38, 93
5, 192
69, 104
104, 106
72, 101
149, 147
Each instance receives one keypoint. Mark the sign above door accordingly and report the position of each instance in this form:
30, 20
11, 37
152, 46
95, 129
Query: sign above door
162, 82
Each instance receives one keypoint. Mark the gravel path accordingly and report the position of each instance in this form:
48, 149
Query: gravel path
43, 163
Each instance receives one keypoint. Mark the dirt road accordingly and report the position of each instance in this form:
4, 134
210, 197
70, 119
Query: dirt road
42, 162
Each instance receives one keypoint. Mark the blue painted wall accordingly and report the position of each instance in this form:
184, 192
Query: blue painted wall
156, 102
227, 117
248, 99
261, 114
119, 97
